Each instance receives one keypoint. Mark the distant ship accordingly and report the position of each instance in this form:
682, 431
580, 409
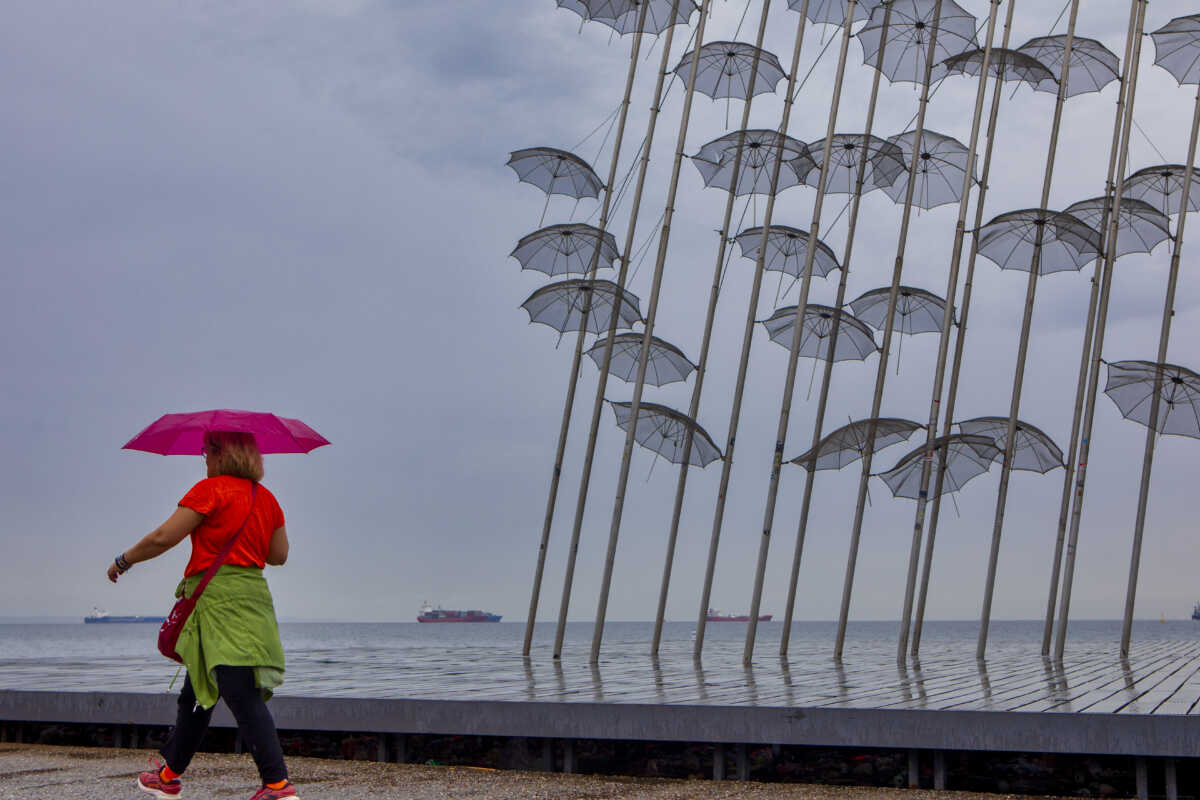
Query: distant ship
99, 615
717, 616
1196, 611
439, 614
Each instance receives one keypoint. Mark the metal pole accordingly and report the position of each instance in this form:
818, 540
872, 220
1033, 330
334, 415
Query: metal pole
881, 373
959, 343
789, 383
587, 465
747, 336
706, 340
827, 374
1089, 411
1086, 351
651, 314
939, 374
1164, 338
1023, 346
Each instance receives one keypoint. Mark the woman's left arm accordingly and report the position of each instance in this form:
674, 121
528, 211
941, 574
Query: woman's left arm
160, 540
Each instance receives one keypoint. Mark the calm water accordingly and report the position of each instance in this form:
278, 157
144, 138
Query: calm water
483, 660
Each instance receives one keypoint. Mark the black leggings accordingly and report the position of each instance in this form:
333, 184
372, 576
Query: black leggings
257, 728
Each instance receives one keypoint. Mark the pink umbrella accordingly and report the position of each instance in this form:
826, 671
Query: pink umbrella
183, 434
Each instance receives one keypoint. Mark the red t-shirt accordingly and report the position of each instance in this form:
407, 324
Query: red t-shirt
225, 501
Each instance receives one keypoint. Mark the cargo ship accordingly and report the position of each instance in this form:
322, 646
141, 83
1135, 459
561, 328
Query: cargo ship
439, 614
717, 616
99, 615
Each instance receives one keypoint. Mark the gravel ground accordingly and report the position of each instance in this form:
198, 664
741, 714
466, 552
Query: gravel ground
43, 772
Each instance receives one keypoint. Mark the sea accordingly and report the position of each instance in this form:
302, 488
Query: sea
483, 660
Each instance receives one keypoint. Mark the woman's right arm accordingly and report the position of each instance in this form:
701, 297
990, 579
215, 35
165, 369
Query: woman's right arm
160, 540
277, 552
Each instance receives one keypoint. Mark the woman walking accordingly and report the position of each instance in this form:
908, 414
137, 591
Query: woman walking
230, 643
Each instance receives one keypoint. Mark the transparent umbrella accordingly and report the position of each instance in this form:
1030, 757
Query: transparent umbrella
849, 443
1162, 187
965, 458
1034, 451
1007, 65
555, 172
1132, 385
663, 431
760, 150
908, 32
725, 68
919, 311
884, 165
1175, 48
1067, 243
833, 12
855, 340
1141, 228
1093, 66
568, 248
623, 15
560, 305
940, 171
667, 363
787, 249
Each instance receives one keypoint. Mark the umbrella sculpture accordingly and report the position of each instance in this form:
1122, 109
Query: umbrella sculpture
580, 304
663, 430
1033, 450
568, 248
667, 362
908, 35
1012, 241
183, 434
852, 171
1004, 64
920, 311
1093, 66
965, 458
1141, 226
1176, 48
833, 12
555, 172
939, 177
725, 70
1134, 385
855, 341
760, 150
628, 16
848, 443
1162, 187
786, 251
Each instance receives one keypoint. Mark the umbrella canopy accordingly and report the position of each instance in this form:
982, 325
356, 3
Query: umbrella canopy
183, 434
560, 305
966, 457
1034, 451
787, 249
568, 248
849, 443
909, 28
725, 68
663, 430
1007, 65
667, 362
920, 311
760, 150
1010, 240
884, 165
1140, 229
1093, 66
940, 170
623, 15
833, 12
555, 172
1162, 187
1133, 384
855, 340
1177, 48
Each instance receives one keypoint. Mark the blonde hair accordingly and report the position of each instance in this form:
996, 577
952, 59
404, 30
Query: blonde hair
234, 453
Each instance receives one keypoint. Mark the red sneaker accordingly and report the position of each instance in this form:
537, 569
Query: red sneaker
267, 793
153, 783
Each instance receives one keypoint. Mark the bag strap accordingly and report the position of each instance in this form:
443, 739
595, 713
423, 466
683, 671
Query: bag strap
221, 556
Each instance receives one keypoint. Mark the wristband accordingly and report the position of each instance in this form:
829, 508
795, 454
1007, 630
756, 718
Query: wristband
123, 565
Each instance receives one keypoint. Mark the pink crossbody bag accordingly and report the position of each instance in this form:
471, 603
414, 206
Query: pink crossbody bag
168, 634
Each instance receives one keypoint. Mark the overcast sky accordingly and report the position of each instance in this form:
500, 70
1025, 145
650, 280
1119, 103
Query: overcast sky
304, 208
